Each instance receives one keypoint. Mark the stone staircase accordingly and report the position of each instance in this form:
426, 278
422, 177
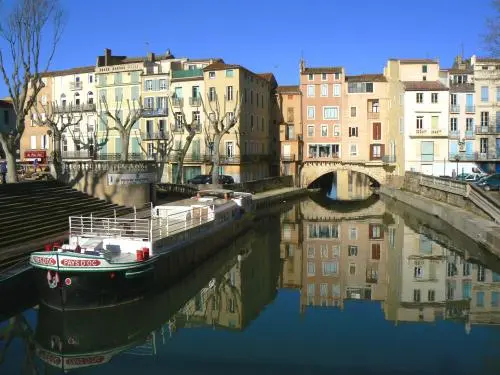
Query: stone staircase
34, 213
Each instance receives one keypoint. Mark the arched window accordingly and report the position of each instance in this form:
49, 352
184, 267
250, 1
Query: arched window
90, 97
77, 99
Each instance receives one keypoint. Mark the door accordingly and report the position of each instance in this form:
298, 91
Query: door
229, 149
377, 131
195, 91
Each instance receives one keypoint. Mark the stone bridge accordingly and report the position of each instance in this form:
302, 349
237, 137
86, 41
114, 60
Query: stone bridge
379, 172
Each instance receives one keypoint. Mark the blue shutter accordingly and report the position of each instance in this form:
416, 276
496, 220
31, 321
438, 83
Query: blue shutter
469, 100
135, 92
136, 149
118, 145
469, 147
157, 85
453, 149
498, 121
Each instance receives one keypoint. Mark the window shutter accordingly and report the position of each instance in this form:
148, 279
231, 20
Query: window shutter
118, 145
145, 86
382, 150
371, 152
156, 85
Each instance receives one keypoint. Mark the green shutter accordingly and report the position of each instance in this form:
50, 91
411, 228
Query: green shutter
118, 145
136, 149
135, 92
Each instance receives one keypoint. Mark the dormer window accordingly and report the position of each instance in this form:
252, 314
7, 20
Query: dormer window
211, 75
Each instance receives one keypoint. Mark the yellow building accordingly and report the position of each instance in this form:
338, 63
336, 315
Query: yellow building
245, 151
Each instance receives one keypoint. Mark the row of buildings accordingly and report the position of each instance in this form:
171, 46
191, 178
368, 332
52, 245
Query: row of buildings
414, 116
367, 254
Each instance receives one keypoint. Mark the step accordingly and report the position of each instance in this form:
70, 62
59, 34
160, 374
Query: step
28, 202
40, 194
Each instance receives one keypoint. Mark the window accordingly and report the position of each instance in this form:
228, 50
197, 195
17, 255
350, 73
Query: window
434, 97
480, 273
495, 299
352, 251
91, 78
211, 94
337, 76
353, 111
376, 151
229, 92
483, 145
149, 85
324, 76
352, 269
484, 94
310, 130
375, 251
469, 124
375, 231
416, 295
353, 233
311, 112
424, 68
498, 93
229, 73
310, 91
33, 142
427, 151
420, 97
290, 114
163, 84
353, 149
310, 76
359, 87
453, 99
431, 295
485, 119
453, 124
6, 117
377, 131
324, 130
336, 130
336, 90
480, 299
149, 102
211, 75
420, 122
311, 269
44, 101
324, 89
327, 150
330, 268
330, 113
353, 131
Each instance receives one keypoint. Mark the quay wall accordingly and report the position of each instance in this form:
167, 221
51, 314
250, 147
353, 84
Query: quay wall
482, 230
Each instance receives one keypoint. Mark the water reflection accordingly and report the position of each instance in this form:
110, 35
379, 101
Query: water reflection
311, 291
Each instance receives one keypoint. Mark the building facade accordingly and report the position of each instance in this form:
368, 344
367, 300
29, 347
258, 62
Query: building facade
7, 119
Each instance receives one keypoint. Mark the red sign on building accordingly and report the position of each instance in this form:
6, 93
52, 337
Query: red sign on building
39, 154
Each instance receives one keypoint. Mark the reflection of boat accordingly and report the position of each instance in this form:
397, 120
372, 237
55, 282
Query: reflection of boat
109, 261
82, 338
16, 289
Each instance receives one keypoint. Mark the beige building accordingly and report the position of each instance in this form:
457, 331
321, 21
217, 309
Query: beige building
291, 251
245, 150
7, 118
290, 131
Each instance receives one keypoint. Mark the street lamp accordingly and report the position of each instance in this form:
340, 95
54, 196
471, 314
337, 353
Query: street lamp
457, 159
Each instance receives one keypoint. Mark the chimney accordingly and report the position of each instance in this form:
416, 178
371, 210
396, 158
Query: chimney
151, 57
302, 66
107, 57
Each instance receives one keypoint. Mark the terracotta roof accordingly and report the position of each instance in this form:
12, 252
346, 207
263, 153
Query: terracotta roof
80, 70
324, 69
487, 60
117, 60
366, 78
292, 89
462, 87
267, 76
424, 86
460, 71
417, 61
220, 65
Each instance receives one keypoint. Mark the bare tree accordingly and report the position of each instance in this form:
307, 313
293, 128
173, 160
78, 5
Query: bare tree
122, 125
162, 148
23, 32
220, 123
91, 141
492, 38
57, 118
190, 128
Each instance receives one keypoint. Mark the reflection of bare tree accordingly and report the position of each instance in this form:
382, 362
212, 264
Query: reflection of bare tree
19, 328
222, 294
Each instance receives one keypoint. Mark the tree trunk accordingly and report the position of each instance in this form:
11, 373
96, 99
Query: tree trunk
10, 155
216, 158
179, 175
125, 137
57, 157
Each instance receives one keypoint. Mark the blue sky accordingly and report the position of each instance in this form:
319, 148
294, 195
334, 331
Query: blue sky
266, 35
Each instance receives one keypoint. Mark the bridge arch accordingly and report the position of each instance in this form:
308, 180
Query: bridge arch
313, 170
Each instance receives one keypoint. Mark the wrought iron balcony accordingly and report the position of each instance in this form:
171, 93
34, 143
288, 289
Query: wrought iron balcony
191, 73
454, 134
177, 102
195, 101
470, 109
429, 133
454, 108
469, 134
462, 156
75, 85
288, 158
155, 135
488, 156
151, 112
89, 107
488, 128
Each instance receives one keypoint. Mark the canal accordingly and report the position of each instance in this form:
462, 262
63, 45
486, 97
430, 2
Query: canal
369, 287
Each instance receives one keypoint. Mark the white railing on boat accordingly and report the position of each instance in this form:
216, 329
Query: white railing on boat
168, 220
90, 226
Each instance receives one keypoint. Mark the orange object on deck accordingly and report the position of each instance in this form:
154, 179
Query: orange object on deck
139, 255
145, 251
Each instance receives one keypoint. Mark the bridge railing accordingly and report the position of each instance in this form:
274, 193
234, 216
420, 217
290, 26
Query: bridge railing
188, 190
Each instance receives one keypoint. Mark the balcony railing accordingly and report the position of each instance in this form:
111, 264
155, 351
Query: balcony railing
155, 135
89, 107
488, 129
151, 112
388, 159
429, 133
462, 156
85, 154
489, 155
470, 109
373, 115
469, 134
75, 85
195, 101
455, 134
177, 102
192, 73
288, 158
454, 108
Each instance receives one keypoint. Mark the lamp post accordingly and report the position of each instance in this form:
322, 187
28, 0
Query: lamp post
457, 159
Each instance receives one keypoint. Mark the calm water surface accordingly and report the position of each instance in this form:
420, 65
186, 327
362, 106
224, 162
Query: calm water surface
370, 288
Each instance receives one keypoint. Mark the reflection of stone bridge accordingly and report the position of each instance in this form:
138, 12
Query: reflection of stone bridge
313, 211
376, 170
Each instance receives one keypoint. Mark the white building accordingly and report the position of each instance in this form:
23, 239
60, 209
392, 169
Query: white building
426, 118
73, 91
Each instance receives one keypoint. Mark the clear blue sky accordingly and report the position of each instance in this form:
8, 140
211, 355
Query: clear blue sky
271, 35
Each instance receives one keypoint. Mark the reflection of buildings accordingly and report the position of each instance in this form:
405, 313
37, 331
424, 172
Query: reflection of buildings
237, 295
332, 256
485, 296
